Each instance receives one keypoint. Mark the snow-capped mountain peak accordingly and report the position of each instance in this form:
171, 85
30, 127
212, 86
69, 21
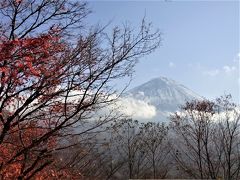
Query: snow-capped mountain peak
163, 93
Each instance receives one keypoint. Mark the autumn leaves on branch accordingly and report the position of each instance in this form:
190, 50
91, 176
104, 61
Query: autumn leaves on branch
53, 76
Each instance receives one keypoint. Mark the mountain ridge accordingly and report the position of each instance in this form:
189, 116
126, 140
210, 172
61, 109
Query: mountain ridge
165, 94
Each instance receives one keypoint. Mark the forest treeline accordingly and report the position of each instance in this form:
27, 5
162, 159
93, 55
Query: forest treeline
200, 142
57, 75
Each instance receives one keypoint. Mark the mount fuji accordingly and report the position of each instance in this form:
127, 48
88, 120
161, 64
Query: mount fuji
165, 94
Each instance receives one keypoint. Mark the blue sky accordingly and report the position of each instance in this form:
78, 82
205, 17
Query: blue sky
200, 46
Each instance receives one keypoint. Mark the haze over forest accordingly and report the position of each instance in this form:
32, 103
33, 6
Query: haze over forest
115, 90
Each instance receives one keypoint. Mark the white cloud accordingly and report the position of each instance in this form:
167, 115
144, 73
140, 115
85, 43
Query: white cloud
136, 108
229, 69
224, 70
212, 73
171, 64
196, 65
231, 115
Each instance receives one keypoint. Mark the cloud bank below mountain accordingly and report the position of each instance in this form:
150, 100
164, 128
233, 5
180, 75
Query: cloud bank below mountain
137, 109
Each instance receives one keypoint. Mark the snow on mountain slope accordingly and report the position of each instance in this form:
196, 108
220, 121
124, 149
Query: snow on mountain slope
164, 94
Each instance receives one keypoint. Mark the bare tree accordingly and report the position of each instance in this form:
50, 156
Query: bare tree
155, 144
229, 138
52, 84
143, 148
126, 140
207, 139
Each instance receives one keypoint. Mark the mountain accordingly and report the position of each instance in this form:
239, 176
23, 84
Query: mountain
165, 94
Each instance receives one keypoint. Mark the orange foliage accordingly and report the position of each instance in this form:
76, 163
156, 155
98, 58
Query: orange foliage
23, 61
29, 57
19, 138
